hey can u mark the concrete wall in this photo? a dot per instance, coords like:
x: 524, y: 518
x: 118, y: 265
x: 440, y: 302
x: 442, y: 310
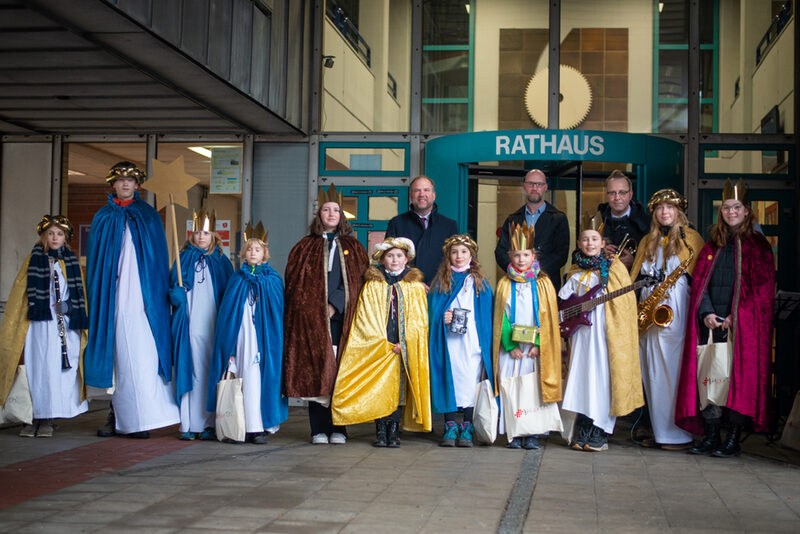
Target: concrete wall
x: 24, y: 198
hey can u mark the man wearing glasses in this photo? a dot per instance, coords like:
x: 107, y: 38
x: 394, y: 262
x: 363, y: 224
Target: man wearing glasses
x: 551, y: 238
x: 622, y: 216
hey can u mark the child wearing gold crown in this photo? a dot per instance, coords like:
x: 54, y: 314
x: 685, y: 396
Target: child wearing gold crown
x: 248, y: 339
x: 205, y: 271
x: 45, y: 321
x: 604, y: 379
x: 460, y: 337
x: 383, y: 375
x: 525, y: 301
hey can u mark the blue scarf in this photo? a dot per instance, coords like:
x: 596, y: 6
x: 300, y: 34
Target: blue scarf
x: 220, y: 269
x: 39, y: 286
x: 443, y: 396
x: 263, y: 285
x: 102, y: 259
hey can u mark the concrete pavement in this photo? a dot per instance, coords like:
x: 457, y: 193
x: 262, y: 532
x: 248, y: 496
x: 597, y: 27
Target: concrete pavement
x: 76, y: 482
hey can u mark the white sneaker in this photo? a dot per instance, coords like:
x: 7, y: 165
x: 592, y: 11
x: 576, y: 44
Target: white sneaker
x: 319, y: 439
x: 338, y: 438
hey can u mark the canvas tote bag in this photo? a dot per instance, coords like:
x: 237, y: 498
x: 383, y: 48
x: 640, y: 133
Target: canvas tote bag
x: 230, y: 409
x: 19, y: 406
x: 524, y: 413
x: 486, y: 413
x: 714, y: 371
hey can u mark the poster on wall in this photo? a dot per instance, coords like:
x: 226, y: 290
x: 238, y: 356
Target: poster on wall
x: 223, y: 231
x: 226, y: 170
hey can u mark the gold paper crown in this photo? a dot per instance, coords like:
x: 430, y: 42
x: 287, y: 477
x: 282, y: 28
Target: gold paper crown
x: 522, y: 236
x: 592, y: 222
x: 59, y: 221
x: 735, y: 192
x: 258, y: 232
x: 460, y: 239
x: 332, y: 195
x: 126, y: 169
x: 204, y: 221
x: 667, y: 195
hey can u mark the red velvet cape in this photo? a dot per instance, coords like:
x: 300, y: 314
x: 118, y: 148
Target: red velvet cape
x: 749, y: 394
x: 309, y: 364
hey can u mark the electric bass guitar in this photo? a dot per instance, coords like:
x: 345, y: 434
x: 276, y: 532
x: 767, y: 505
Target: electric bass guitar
x: 574, y: 311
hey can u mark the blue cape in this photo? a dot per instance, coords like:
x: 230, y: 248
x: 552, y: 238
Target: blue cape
x: 443, y: 396
x: 102, y: 257
x: 267, y: 287
x: 221, y: 270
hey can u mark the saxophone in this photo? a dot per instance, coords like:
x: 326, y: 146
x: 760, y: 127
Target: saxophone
x: 650, y: 312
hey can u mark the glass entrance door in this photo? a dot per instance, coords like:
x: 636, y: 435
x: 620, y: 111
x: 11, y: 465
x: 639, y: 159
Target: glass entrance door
x: 369, y: 209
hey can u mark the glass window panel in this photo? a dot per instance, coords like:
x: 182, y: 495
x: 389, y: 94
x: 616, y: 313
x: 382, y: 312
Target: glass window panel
x: 350, y: 207
x: 707, y: 22
x: 365, y: 159
x: 445, y: 74
x: 707, y: 74
x: 707, y: 118
x: 673, y: 73
x: 765, y: 211
x: 373, y: 238
x: 672, y: 118
x: 746, y: 162
x: 445, y: 22
x: 382, y: 208
x: 444, y: 117
x: 673, y: 27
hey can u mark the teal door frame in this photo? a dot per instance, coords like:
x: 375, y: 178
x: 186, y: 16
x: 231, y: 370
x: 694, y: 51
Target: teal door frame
x: 362, y: 224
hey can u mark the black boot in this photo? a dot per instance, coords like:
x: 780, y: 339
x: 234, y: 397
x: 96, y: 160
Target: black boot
x: 711, y: 441
x: 380, y: 433
x: 393, y: 432
x: 731, y: 447
x: 110, y: 428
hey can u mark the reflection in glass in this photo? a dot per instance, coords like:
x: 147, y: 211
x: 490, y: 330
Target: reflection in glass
x: 672, y: 118
x: 445, y: 74
x: 673, y: 74
x: 765, y: 211
x: 382, y: 208
x: 444, y: 117
x: 445, y: 22
x: 365, y: 159
x: 373, y: 238
x: 350, y: 207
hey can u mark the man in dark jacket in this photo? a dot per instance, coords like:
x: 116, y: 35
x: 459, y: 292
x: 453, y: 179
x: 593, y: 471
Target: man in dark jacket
x: 423, y: 225
x: 622, y: 216
x: 551, y: 239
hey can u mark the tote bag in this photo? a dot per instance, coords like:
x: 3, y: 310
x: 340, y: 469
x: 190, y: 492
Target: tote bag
x: 230, y: 409
x: 486, y: 413
x: 714, y: 371
x: 19, y: 406
x: 523, y: 410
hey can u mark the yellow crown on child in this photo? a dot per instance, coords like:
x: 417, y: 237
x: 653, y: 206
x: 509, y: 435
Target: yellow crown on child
x: 592, y: 222
x: 255, y: 233
x: 735, y: 192
x: 331, y: 195
x: 522, y: 236
x: 203, y: 221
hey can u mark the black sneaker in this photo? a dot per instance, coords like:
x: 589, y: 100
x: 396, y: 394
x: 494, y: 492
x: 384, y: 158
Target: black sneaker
x: 598, y: 440
x: 261, y: 439
x: 110, y: 428
x: 583, y: 431
x: 515, y: 443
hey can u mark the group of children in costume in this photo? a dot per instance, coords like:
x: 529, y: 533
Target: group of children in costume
x: 410, y: 350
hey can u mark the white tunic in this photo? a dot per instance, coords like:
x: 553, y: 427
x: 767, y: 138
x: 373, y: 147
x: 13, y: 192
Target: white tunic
x: 588, y: 389
x: 201, y: 309
x: 660, y: 350
x: 505, y: 363
x: 466, y: 364
x: 142, y: 400
x: 55, y: 392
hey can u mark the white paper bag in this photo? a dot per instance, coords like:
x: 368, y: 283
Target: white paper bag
x: 19, y: 405
x: 486, y: 413
x: 714, y: 372
x: 523, y: 410
x: 230, y: 409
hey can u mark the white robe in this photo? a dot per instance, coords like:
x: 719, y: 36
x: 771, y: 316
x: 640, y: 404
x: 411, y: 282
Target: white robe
x: 505, y: 363
x: 201, y: 309
x: 142, y: 400
x: 588, y: 389
x: 466, y: 364
x: 55, y: 392
x: 660, y: 350
x: 247, y: 366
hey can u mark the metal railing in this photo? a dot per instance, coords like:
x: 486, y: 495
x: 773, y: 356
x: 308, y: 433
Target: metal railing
x: 775, y: 29
x: 391, y: 84
x: 348, y: 30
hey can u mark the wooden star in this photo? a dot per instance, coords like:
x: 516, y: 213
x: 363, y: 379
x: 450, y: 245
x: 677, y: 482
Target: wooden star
x: 170, y: 178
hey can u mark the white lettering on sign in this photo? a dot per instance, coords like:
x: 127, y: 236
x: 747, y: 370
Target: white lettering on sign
x: 553, y: 144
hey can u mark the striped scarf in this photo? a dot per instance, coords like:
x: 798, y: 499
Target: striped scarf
x: 39, y: 286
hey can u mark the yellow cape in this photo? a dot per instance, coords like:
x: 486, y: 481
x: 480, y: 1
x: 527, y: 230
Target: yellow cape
x: 622, y: 339
x: 368, y: 382
x: 15, y: 327
x: 549, y: 335
x: 694, y: 239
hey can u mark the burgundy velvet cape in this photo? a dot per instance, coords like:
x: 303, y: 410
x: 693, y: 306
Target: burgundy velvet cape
x: 752, y: 315
x: 309, y: 364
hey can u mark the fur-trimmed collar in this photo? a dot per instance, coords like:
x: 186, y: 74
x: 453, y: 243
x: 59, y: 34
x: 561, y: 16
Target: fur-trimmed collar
x: 374, y: 274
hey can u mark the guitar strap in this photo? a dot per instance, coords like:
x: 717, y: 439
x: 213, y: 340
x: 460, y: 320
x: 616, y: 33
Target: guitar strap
x: 535, y: 299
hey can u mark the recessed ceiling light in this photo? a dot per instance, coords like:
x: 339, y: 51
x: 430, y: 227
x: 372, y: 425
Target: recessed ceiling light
x: 203, y: 151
